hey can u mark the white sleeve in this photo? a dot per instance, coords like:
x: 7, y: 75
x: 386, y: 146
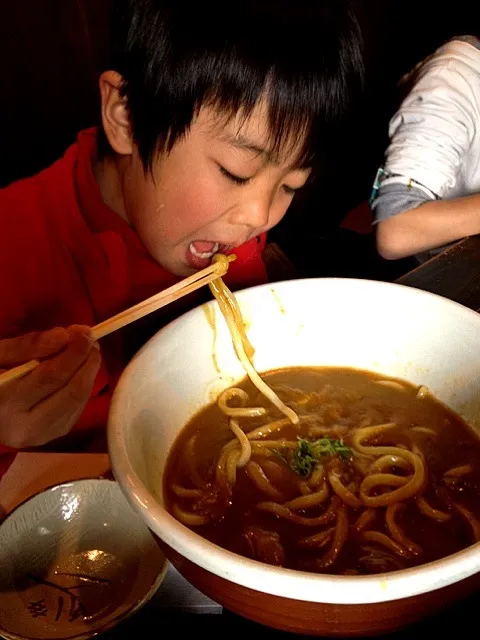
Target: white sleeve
x: 435, y: 126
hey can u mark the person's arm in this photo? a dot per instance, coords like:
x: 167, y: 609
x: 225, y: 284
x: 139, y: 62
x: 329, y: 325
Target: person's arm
x: 430, y: 225
x: 46, y: 403
x: 430, y: 137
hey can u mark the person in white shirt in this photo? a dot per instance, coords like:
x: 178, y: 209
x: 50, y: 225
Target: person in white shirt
x: 427, y: 194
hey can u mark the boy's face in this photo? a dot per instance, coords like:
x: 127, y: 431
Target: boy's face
x: 216, y: 189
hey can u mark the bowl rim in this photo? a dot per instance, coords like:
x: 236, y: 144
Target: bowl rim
x: 279, y: 581
x: 49, y: 487
x: 112, y: 622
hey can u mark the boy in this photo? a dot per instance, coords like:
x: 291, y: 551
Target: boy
x: 209, y: 126
x: 428, y: 195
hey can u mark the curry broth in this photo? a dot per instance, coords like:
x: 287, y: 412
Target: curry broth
x: 343, y: 400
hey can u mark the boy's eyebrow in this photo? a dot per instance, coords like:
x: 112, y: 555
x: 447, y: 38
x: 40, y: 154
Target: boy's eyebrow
x: 243, y: 142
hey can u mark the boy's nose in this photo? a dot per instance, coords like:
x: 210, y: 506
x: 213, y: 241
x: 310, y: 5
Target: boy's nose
x: 253, y: 214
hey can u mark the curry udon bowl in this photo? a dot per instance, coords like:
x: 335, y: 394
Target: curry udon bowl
x: 397, y: 331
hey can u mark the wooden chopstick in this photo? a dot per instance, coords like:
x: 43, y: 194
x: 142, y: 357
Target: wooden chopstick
x: 122, y: 319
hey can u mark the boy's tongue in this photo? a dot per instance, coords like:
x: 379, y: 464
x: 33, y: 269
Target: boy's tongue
x: 204, y: 247
x: 200, y: 253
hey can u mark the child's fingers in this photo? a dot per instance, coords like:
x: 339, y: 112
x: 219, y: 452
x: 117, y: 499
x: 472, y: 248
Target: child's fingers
x: 50, y: 376
x: 15, y: 351
x: 56, y: 415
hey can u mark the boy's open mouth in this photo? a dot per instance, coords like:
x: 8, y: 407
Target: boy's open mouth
x: 204, y: 249
x: 200, y: 253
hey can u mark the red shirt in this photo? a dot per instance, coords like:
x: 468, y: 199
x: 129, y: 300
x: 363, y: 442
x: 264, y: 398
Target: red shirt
x: 66, y: 258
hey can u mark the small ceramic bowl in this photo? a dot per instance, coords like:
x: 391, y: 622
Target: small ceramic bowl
x: 74, y: 560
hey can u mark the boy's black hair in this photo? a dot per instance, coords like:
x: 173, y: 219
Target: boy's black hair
x: 175, y: 56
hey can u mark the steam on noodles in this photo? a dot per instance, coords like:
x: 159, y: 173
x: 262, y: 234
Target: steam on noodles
x: 327, y: 470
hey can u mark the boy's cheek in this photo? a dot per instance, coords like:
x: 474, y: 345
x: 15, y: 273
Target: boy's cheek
x: 185, y: 215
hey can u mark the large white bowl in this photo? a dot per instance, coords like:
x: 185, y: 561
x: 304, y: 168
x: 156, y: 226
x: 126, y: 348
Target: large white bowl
x: 382, y: 327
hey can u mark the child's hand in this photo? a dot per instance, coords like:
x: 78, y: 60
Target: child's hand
x: 46, y: 403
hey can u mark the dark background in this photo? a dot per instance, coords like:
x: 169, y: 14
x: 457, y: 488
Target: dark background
x: 51, y: 52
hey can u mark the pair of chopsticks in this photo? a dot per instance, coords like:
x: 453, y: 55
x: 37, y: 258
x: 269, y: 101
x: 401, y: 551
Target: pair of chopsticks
x: 216, y: 270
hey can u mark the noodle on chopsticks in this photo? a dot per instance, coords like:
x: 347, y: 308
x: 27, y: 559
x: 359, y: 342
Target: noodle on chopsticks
x: 244, y: 350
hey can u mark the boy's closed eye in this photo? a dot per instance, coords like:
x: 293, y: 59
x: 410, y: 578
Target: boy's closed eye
x: 234, y: 178
x: 240, y: 180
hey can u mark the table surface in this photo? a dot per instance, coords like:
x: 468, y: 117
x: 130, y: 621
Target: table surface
x: 454, y: 274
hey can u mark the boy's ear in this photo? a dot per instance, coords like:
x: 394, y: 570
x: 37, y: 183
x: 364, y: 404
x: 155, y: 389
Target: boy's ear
x: 116, y: 123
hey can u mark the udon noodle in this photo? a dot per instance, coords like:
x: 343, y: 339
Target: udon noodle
x: 326, y: 470
x: 244, y: 350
